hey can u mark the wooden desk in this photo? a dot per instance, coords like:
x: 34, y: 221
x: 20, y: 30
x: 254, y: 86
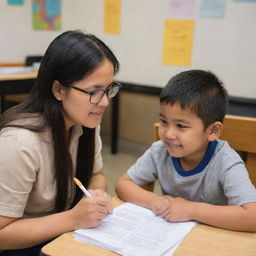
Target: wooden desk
x: 18, y: 76
x: 203, y: 240
x: 16, y: 84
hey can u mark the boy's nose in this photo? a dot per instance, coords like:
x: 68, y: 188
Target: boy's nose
x: 170, y: 133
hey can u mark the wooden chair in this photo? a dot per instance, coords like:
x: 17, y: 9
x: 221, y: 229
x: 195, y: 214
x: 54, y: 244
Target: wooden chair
x: 155, y: 131
x: 240, y: 132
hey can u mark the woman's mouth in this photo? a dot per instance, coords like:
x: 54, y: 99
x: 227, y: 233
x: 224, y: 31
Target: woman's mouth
x: 96, y: 114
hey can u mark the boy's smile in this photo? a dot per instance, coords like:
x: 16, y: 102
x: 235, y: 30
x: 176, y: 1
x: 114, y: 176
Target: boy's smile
x: 183, y: 134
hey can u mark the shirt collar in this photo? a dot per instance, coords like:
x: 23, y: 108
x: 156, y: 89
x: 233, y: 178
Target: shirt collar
x: 201, y: 166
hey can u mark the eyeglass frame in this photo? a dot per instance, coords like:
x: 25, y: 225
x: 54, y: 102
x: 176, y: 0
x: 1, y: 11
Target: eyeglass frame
x: 106, y: 91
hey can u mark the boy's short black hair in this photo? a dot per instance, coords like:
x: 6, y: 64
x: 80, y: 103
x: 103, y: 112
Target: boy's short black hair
x: 201, y: 92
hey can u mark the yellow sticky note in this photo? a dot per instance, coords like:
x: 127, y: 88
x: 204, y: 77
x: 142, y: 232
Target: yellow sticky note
x: 112, y: 16
x: 178, y: 41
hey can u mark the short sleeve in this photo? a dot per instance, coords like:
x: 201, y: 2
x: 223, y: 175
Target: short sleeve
x: 144, y: 170
x: 98, y: 163
x: 18, y: 170
x: 237, y: 185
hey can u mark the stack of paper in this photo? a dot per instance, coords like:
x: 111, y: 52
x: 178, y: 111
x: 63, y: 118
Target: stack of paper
x: 133, y: 230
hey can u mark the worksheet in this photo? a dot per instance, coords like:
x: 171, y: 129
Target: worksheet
x: 133, y: 230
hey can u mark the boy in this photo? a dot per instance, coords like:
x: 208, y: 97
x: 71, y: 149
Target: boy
x: 201, y: 177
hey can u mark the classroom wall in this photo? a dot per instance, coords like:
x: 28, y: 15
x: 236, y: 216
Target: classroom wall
x: 18, y: 39
x: 225, y: 46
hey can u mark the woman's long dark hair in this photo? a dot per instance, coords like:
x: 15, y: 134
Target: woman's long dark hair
x: 70, y: 57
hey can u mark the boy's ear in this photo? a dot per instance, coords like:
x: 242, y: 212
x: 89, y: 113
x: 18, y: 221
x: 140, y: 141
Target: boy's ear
x: 57, y: 90
x: 214, y: 130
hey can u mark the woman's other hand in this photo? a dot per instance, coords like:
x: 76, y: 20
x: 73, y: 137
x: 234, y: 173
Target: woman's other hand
x: 101, y: 195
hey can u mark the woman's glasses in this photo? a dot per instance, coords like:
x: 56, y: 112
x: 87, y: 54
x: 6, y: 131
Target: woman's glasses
x: 97, y: 95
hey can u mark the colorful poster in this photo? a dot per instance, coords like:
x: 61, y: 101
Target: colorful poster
x: 15, y: 2
x: 181, y: 8
x: 112, y: 16
x: 46, y: 14
x: 178, y: 40
x: 212, y: 8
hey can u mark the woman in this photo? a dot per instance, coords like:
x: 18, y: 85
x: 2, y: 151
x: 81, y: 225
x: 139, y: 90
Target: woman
x: 51, y: 138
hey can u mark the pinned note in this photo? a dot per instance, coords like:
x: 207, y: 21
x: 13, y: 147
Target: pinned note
x: 181, y: 9
x: 112, y: 16
x: 212, y: 8
x: 178, y: 40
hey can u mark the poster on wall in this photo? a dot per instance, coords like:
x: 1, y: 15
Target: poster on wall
x: 112, y: 16
x: 178, y: 40
x: 46, y: 14
x: 15, y: 2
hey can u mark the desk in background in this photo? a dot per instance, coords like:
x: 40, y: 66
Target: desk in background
x: 201, y: 241
x: 15, y: 84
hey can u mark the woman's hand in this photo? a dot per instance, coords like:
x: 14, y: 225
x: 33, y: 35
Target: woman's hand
x: 89, y: 212
x: 100, y: 194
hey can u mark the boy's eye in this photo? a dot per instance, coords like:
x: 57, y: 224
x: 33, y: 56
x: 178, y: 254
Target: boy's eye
x: 181, y: 126
x: 162, y: 121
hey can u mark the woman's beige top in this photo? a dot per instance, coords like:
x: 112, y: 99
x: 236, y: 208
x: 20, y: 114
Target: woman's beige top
x: 27, y: 183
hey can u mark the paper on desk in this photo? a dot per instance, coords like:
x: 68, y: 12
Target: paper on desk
x: 17, y: 70
x: 133, y: 230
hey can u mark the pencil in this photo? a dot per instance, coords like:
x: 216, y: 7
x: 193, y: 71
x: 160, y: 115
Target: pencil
x: 80, y: 185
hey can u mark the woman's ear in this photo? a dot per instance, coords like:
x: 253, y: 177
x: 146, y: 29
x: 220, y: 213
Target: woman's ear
x: 214, y: 130
x: 57, y: 90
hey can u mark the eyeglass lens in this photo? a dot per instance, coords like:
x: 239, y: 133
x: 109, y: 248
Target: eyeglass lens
x: 98, y: 95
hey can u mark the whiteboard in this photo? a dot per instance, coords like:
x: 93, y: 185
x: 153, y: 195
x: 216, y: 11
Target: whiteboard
x: 226, y: 46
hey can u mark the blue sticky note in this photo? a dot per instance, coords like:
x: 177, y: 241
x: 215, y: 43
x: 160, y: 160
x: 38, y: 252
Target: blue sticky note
x: 212, y: 8
x: 15, y: 2
x: 244, y: 0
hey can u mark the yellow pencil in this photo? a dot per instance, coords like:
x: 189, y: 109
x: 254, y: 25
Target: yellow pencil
x: 80, y: 185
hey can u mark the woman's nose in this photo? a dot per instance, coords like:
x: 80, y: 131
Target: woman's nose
x: 104, y: 101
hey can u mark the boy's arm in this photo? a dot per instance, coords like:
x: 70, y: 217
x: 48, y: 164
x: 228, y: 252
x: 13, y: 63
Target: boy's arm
x: 234, y: 217
x: 129, y: 191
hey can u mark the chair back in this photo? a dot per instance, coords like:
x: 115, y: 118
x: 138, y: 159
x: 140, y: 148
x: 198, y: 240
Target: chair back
x: 240, y: 132
x: 155, y: 131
